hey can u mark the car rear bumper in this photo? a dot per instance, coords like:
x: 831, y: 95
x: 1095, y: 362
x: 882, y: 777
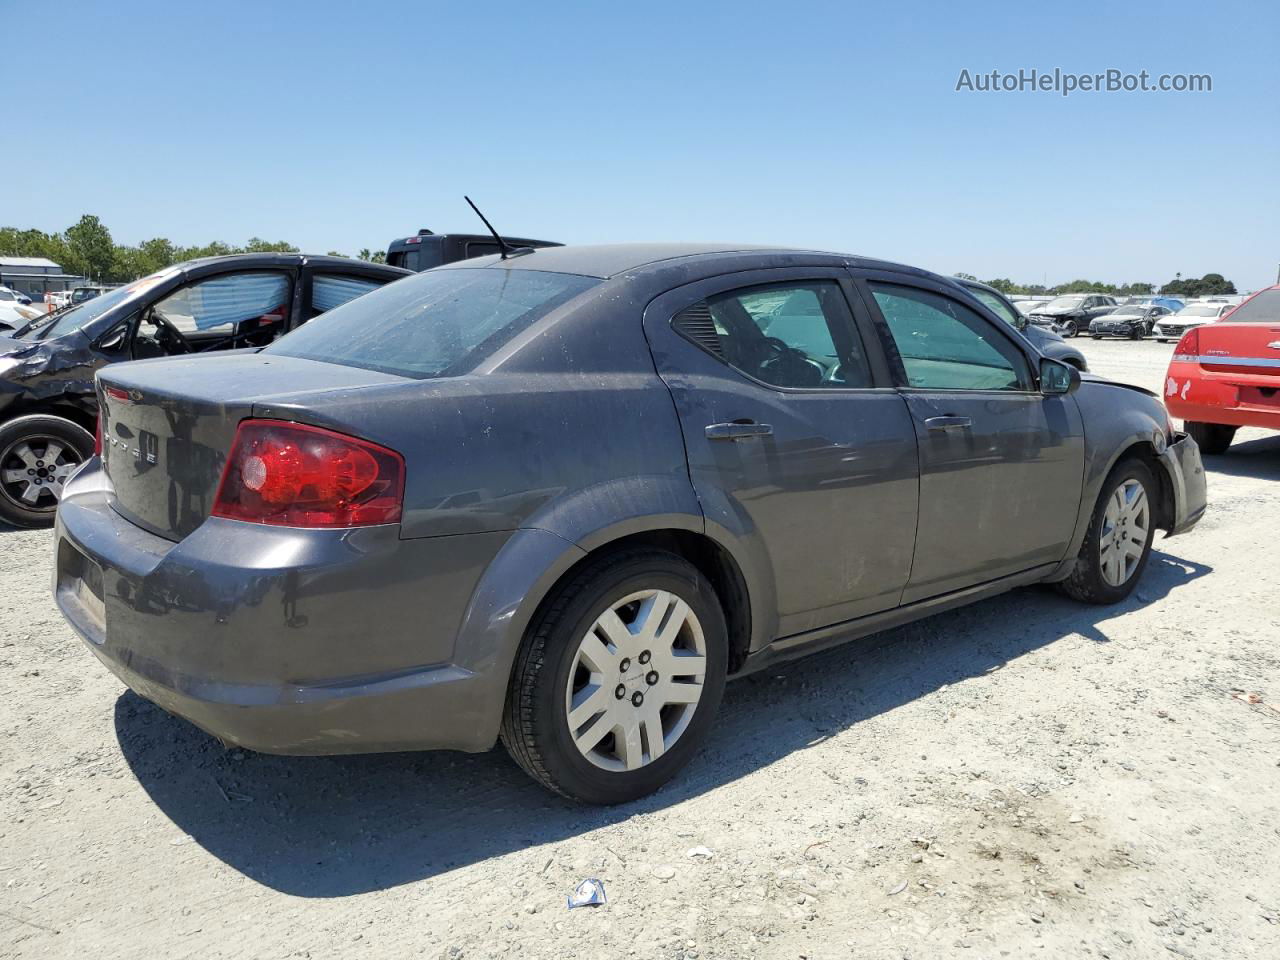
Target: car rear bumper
x: 278, y: 639
x: 1182, y: 465
x: 1233, y: 399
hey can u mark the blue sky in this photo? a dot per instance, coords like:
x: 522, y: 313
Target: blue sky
x: 837, y: 126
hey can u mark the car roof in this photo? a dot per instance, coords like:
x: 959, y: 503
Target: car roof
x: 604, y: 261
x: 287, y: 260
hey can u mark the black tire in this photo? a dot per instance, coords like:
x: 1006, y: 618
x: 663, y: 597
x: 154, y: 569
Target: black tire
x: 1096, y: 336
x: 1069, y: 329
x: 535, y: 727
x: 1136, y: 333
x: 1162, y: 339
x: 35, y: 432
x: 1087, y: 583
x: 1211, y: 438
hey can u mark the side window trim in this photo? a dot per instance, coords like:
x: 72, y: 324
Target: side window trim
x: 862, y: 279
x: 852, y: 330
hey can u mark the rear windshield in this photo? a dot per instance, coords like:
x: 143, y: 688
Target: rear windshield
x: 1261, y: 308
x: 437, y: 324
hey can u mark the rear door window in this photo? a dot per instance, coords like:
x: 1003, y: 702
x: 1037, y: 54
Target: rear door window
x: 797, y: 335
x: 329, y: 290
x: 410, y: 259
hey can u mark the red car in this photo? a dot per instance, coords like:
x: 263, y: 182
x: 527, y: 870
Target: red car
x: 1226, y: 375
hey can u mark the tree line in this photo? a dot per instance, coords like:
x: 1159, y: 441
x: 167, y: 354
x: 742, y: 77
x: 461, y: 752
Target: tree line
x: 88, y: 250
x: 1211, y: 284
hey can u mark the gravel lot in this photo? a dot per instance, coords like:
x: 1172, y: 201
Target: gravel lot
x: 1025, y: 777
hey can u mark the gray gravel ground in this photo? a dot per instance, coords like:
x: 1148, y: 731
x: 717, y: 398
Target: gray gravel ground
x: 1025, y: 777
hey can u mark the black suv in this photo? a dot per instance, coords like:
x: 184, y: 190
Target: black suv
x: 425, y: 249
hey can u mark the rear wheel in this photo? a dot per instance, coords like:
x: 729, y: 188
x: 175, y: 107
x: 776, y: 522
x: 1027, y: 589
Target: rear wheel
x: 1116, y: 548
x: 1211, y: 438
x: 38, y: 453
x: 619, y: 678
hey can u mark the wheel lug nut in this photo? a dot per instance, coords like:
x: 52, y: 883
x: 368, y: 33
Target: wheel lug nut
x: 637, y: 698
x: 645, y: 657
x: 651, y: 677
x: 625, y: 665
x: 620, y: 691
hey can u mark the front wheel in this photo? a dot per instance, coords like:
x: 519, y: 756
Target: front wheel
x: 618, y: 679
x: 38, y: 453
x: 1069, y: 329
x: 1118, y: 545
x: 1211, y: 438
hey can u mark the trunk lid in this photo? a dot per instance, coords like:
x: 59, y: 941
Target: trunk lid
x: 167, y: 426
x: 1249, y: 350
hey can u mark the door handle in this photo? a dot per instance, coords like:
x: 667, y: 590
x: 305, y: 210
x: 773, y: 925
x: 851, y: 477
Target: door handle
x: 738, y: 431
x: 949, y: 423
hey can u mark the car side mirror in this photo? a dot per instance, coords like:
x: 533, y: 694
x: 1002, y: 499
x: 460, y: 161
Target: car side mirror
x: 1057, y: 379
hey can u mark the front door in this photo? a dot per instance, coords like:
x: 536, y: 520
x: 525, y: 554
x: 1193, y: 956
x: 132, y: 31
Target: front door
x: 1001, y: 465
x: 796, y: 440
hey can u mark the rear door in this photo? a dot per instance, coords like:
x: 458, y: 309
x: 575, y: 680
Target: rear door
x: 1001, y: 465
x: 797, y: 443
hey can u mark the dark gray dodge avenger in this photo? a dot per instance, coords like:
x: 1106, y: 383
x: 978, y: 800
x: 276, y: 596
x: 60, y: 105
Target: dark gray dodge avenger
x: 559, y: 498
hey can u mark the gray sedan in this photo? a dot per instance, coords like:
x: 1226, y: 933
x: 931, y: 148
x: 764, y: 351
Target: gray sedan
x: 560, y: 498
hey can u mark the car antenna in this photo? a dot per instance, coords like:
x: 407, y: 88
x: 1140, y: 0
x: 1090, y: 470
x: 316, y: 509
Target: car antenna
x: 504, y: 248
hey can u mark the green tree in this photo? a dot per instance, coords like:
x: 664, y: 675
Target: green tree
x: 1004, y: 285
x: 377, y: 256
x: 90, y: 249
x: 258, y: 245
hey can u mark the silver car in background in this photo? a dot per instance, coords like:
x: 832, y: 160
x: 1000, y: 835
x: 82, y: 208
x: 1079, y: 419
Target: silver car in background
x: 1173, y: 326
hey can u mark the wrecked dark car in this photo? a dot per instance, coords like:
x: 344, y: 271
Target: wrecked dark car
x: 48, y: 408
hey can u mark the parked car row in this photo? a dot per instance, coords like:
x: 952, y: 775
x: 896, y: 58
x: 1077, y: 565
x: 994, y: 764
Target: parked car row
x: 577, y: 489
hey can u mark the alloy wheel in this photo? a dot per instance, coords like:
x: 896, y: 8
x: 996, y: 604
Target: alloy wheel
x: 34, y: 469
x: 636, y: 680
x: 1126, y: 527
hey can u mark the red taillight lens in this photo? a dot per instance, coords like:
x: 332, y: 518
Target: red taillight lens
x: 97, y: 437
x: 293, y: 475
x: 1189, y: 345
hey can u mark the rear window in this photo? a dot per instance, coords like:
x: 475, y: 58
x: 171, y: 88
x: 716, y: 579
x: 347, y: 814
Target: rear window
x: 1262, y: 308
x: 437, y: 324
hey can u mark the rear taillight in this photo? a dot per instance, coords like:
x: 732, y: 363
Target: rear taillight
x: 97, y: 437
x: 293, y: 475
x: 1189, y: 345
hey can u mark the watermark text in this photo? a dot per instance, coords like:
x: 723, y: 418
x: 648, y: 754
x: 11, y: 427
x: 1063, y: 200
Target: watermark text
x: 1066, y: 83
